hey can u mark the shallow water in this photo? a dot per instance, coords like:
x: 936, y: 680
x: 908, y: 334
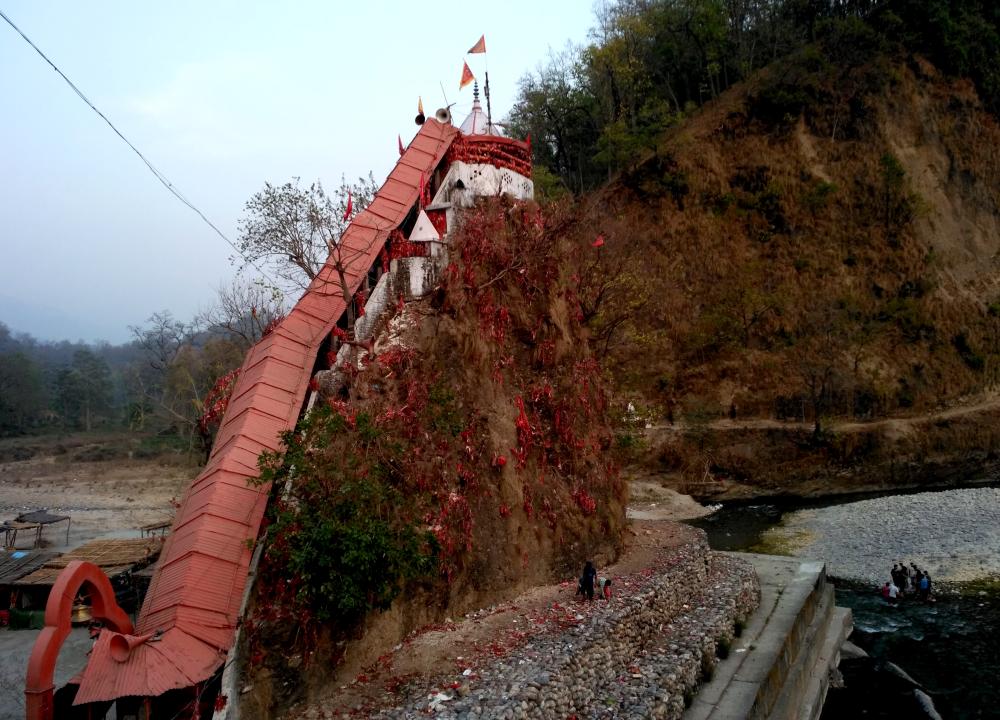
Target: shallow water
x: 950, y: 648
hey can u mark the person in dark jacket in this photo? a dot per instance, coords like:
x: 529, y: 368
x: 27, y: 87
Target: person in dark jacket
x: 587, y: 580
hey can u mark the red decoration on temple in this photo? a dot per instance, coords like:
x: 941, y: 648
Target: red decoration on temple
x: 500, y: 152
x: 439, y: 219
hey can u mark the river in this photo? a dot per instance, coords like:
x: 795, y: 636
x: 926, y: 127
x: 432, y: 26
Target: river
x: 949, y: 648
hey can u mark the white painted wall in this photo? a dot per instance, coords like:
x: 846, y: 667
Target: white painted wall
x: 482, y: 180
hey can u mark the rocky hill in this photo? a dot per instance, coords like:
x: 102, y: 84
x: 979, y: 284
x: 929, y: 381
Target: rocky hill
x: 462, y: 459
x: 818, y: 247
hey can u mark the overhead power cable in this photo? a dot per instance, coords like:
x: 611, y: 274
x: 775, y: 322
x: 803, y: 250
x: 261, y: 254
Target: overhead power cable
x: 152, y: 168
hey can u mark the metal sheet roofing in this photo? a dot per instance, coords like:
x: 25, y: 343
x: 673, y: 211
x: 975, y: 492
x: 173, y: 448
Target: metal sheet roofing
x: 194, y: 598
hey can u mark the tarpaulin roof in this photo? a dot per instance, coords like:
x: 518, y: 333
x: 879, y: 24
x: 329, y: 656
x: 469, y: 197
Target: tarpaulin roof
x: 42, y: 517
x: 15, y: 564
x: 195, y: 595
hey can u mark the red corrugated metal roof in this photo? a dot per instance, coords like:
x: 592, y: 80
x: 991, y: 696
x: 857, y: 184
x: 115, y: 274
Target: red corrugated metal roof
x: 195, y: 595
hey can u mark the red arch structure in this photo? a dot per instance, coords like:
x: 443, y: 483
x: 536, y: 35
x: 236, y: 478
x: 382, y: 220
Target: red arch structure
x: 78, y: 575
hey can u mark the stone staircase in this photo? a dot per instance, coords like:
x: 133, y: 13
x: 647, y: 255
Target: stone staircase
x: 780, y: 666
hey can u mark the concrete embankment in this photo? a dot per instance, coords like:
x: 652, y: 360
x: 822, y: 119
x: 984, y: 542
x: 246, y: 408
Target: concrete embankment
x: 782, y: 663
x: 696, y: 635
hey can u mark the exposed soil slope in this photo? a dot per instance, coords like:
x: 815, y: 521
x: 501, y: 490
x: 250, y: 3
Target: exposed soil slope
x: 819, y: 246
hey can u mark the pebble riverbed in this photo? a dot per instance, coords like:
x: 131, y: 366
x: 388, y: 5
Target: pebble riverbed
x: 953, y: 534
x: 640, y: 656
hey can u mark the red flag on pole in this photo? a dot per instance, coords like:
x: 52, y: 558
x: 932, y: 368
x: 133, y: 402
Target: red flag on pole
x: 350, y: 207
x: 479, y: 47
x: 467, y: 76
x: 400, y: 138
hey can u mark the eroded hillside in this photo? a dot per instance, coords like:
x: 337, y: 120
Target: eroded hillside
x: 818, y: 246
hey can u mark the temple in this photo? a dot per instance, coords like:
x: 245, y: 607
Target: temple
x: 172, y: 661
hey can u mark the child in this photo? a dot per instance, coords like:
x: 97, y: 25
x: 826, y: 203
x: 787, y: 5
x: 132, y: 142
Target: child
x: 607, y: 588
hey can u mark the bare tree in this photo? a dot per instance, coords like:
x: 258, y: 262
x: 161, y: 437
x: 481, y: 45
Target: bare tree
x: 292, y: 229
x: 180, y: 364
x: 243, y: 311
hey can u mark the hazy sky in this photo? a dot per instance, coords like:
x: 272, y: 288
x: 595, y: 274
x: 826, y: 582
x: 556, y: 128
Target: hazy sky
x: 221, y: 97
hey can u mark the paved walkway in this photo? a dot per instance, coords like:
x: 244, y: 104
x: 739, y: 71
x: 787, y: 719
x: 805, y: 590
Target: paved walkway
x: 787, y: 586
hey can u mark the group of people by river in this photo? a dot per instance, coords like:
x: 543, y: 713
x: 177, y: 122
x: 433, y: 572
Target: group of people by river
x: 907, y: 582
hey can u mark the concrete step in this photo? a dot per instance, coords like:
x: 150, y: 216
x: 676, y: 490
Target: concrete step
x: 773, y: 662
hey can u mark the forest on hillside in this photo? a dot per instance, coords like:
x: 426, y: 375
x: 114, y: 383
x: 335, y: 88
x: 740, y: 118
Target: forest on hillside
x: 593, y: 110
x: 795, y: 197
x: 163, y: 382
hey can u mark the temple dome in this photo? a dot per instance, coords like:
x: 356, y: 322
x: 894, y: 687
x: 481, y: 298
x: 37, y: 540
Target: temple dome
x: 477, y: 123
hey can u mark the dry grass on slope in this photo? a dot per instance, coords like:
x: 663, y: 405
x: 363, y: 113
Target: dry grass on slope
x: 838, y: 260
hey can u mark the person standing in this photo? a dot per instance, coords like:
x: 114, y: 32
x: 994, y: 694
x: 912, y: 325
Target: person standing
x: 587, y: 580
x: 893, y: 594
x: 925, y: 587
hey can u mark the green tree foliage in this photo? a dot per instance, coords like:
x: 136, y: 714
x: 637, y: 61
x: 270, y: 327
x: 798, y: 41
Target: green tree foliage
x: 555, y: 109
x: 594, y: 110
x: 962, y: 37
x: 180, y: 363
x: 155, y: 384
x: 22, y: 393
x: 84, y: 391
x: 346, y: 534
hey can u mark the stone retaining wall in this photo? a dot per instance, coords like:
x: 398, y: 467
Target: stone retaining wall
x: 641, y: 656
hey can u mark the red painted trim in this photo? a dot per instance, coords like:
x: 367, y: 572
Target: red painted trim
x: 492, y: 150
x: 38, y: 685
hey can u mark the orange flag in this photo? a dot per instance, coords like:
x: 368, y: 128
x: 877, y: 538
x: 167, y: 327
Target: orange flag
x: 479, y: 47
x: 350, y: 207
x: 467, y: 76
x: 420, y: 105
